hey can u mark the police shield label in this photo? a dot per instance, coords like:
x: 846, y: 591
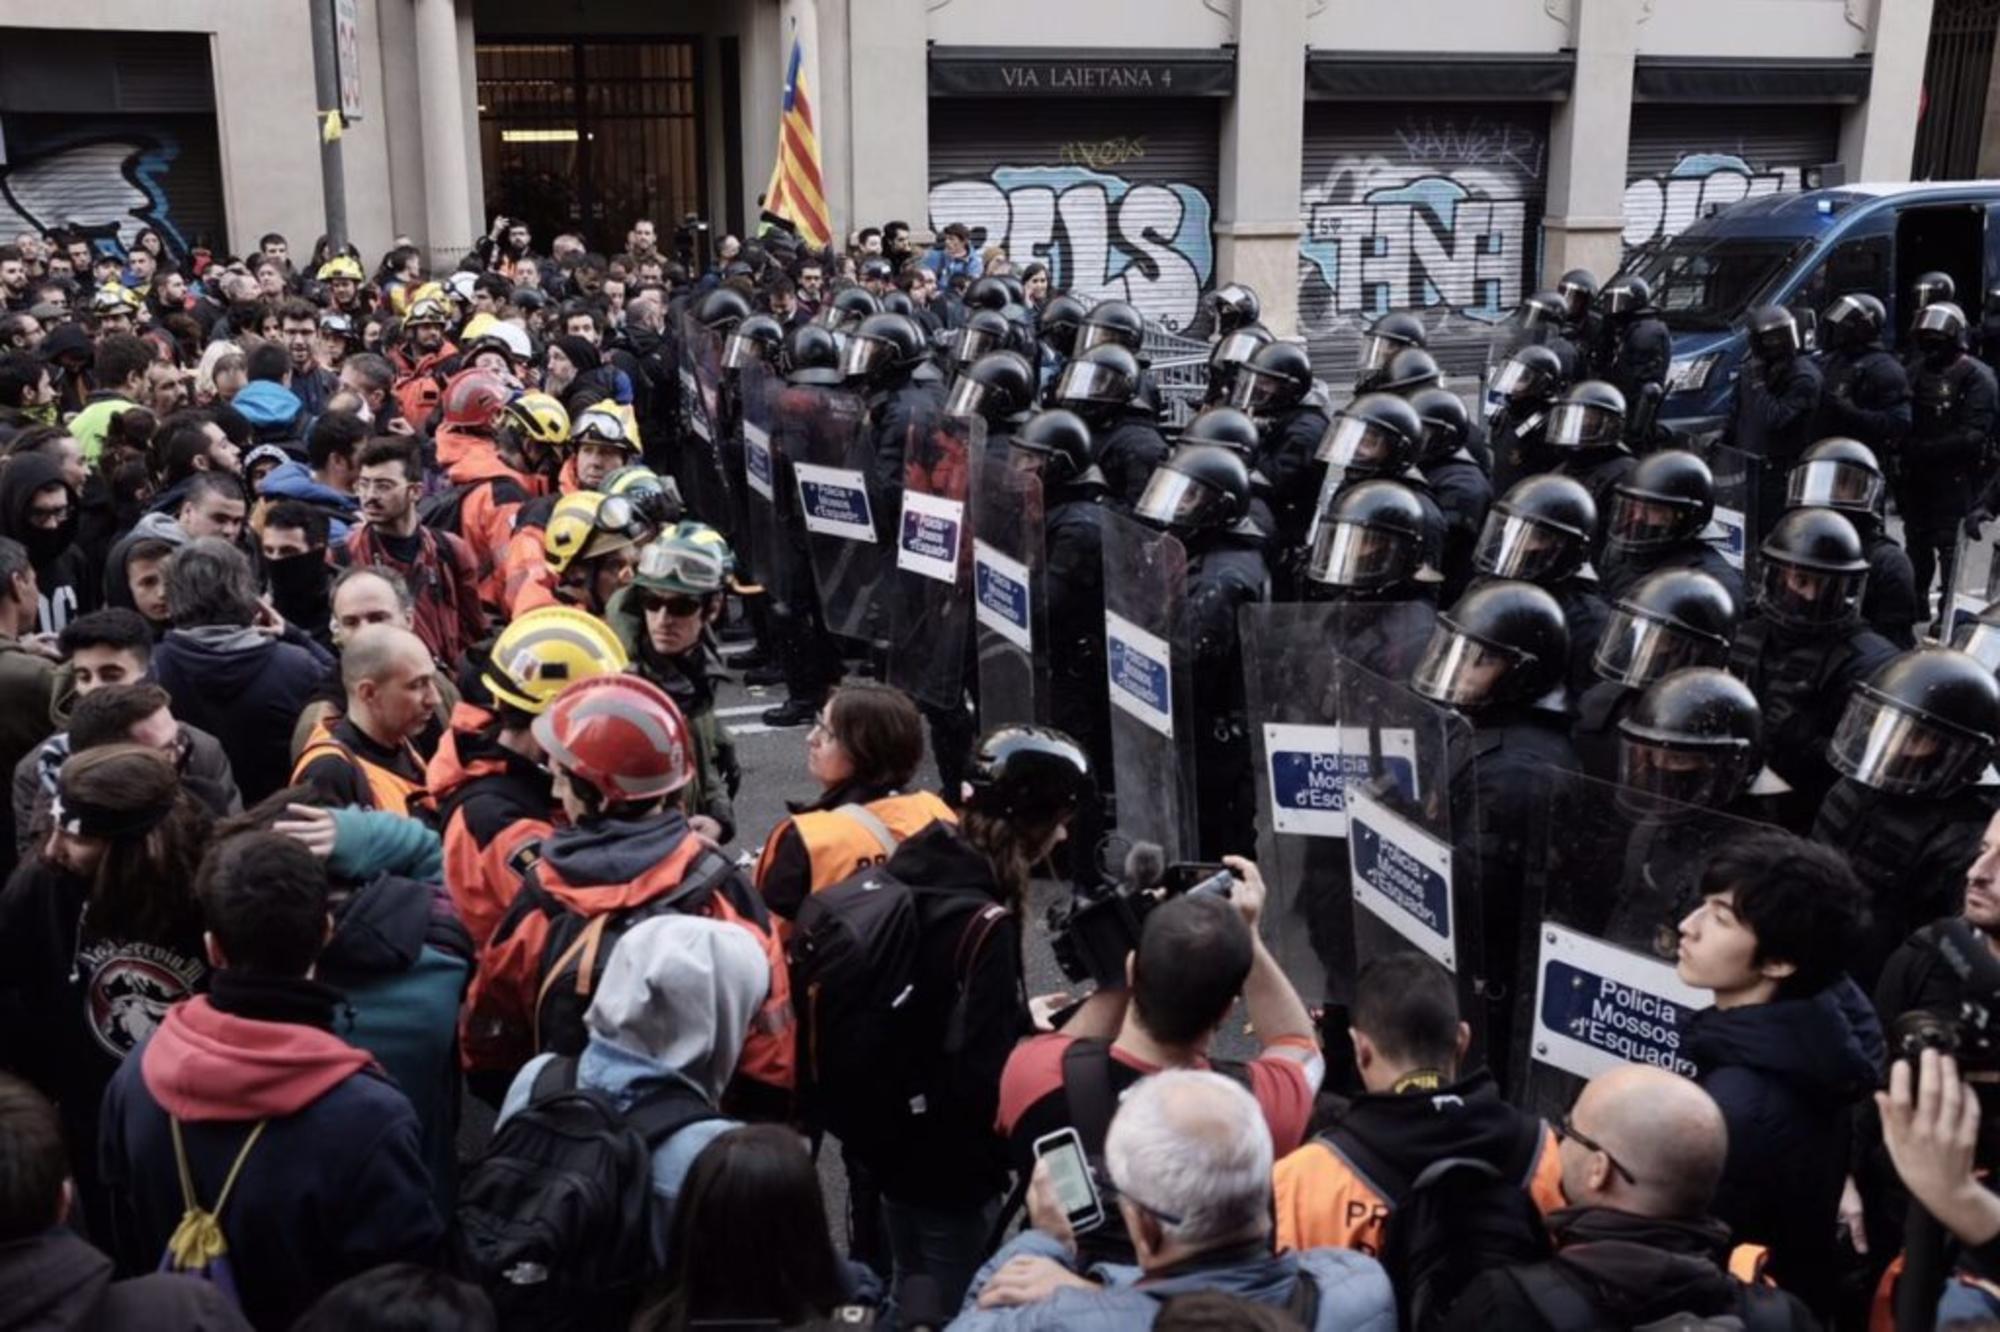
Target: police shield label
x: 931, y: 532
x: 757, y: 458
x: 1728, y: 528
x: 1402, y: 876
x: 1140, y: 672
x: 1598, y: 1006
x: 1311, y: 766
x: 698, y: 413
x: 1002, y: 598
x: 835, y: 502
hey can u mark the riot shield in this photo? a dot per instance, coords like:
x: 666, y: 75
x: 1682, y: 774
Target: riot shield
x: 1733, y: 529
x: 699, y: 471
x: 1974, y: 578
x: 1305, y: 750
x: 823, y: 433
x: 1147, y: 666
x: 758, y: 387
x: 1009, y: 603
x: 1508, y: 337
x: 930, y: 612
x: 1611, y: 873
x: 1412, y: 827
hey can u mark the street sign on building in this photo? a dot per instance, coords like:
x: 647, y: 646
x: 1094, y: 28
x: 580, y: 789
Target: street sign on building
x: 347, y: 56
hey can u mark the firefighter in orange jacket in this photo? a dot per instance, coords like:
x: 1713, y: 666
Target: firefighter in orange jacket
x: 620, y: 754
x: 422, y: 362
x: 604, y: 444
x: 499, y: 450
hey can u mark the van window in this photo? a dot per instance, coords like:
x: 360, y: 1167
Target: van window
x: 1861, y: 264
x: 1705, y: 283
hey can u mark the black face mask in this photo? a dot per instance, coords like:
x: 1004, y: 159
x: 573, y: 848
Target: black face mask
x: 299, y: 586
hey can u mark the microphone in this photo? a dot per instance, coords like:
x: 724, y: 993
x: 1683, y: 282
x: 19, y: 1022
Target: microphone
x: 1145, y: 866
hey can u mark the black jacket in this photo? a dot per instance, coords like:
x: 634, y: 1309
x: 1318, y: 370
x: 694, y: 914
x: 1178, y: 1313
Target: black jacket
x: 62, y: 569
x: 1944, y: 458
x: 1889, y: 601
x: 1787, y: 1076
x: 1287, y: 456
x: 56, y: 1282
x: 1074, y: 540
x: 1620, y: 571
x: 245, y: 689
x: 1129, y: 447
x: 1464, y: 492
x: 1776, y: 407
x: 898, y: 417
x: 1867, y: 398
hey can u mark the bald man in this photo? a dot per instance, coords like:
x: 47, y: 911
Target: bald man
x: 365, y: 757
x: 1642, y: 1153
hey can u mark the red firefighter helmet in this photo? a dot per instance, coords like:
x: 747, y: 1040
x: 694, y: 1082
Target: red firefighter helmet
x: 620, y: 734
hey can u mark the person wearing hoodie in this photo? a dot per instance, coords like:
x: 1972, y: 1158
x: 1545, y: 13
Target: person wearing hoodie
x: 27, y: 670
x: 1642, y: 1152
x: 621, y: 757
x: 52, y: 1278
x: 675, y: 1004
x: 39, y: 510
x: 250, y: 1083
x: 100, y: 935
x: 135, y: 572
x: 275, y: 413
x: 232, y: 667
x: 578, y: 377
x: 325, y: 480
x: 1790, y: 1047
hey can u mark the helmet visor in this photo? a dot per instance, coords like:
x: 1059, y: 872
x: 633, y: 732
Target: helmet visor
x: 1355, y: 441
x: 861, y: 357
x: 1635, y: 650
x: 1234, y: 348
x: 1707, y: 774
x: 740, y: 351
x: 1175, y: 499
x: 1937, y: 319
x: 1376, y: 351
x: 1517, y: 379
x: 1899, y: 752
x: 675, y: 566
x: 1642, y: 524
x: 1581, y: 425
x: 1620, y: 299
x: 1094, y: 335
x: 1511, y: 546
x: 1981, y: 642
x: 1087, y: 381
x: 967, y: 398
x: 1795, y: 595
x: 1832, y: 484
x: 1460, y: 671
x: 974, y: 343
x: 1254, y: 390
x: 1354, y: 556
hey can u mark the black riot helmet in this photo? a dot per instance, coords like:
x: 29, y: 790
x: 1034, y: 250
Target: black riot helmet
x: 1503, y: 642
x: 1028, y: 775
x: 1200, y: 487
x: 1925, y: 725
x: 1017, y: 291
x: 1099, y: 381
x: 1590, y: 416
x: 1112, y: 322
x: 1061, y: 445
x: 884, y: 346
x: 876, y: 269
x: 1578, y: 288
x: 1369, y: 537
x: 1540, y: 530
x: 983, y: 331
x: 1853, y: 321
x: 811, y: 355
x: 1544, y: 310
x: 1774, y: 333
x: 849, y: 306
x: 1235, y: 306
x: 1939, y: 332
x: 1695, y: 736
x: 1932, y: 287
x: 898, y: 302
x: 1058, y: 322
x: 1667, y: 499
x: 1837, y: 473
x: 1532, y: 374
x: 1813, y: 570
x: 1446, y: 423
x: 1979, y: 638
x: 758, y: 338
x: 998, y: 386
x: 988, y: 293
x: 1409, y: 371
x: 1669, y: 619
x: 1231, y: 352
x: 1225, y: 427
x: 721, y: 309
x: 1377, y: 434
x: 1274, y: 380
x: 1389, y: 334
x: 1626, y: 296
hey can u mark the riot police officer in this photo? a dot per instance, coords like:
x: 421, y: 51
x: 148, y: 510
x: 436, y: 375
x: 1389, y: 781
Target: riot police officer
x: 1867, y: 391
x: 1458, y: 481
x: 1368, y: 553
x: 1578, y: 291
x: 1635, y: 352
x: 1586, y: 437
x: 1056, y: 325
x: 1667, y: 620
x: 1396, y: 331
x: 1843, y: 474
x: 999, y: 388
x: 1910, y: 808
x: 1112, y: 322
x: 1235, y: 431
x: 1410, y: 370
x: 982, y: 331
x: 1803, y: 646
x: 1929, y: 288
x: 1540, y: 532
x: 881, y: 357
x: 1227, y: 358
x: 1694, y: 736
x: 1276, y: 388
x: 1945, y: 459
x: 845, y: 310
x: 1201, y: 495
x: 1777, y: 401
x: 1528, y: 384
x: 1101, y: 384
x: 1660, y: 511
x: 1377, y: 437
x: 1233, y: 308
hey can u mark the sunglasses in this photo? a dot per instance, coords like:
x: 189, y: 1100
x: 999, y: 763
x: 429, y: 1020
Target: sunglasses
x: 1566, y: 1129
x: 680, y: 608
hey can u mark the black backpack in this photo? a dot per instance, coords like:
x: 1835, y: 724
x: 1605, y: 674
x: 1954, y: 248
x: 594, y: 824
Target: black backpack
x: 863, y: 1071
x: 444, y: 511
x: 556, y: 1220
x: 1565, y: 1308
x: 1457, y: 1219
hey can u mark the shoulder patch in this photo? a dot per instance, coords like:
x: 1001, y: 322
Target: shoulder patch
x: 526, y: 856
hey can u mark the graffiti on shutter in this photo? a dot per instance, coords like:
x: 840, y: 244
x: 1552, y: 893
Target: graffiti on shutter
x: 1661, y: 207
x: 104, y: 186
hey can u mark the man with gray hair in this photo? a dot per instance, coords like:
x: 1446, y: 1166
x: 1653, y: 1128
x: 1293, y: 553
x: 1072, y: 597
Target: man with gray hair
x: 233, y: 666
x: 1642, y: 1153
x: 1189, y: 1159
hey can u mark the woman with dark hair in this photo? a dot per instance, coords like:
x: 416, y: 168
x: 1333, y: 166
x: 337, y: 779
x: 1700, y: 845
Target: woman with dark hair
x: 750, y: 1246
x: 100, y: 933
x: 864, y: 751
x: 1035, y: 285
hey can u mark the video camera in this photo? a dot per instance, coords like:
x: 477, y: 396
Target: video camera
x: 691, y: 243
x: 1969, y: 1030
x: 1093, y: 932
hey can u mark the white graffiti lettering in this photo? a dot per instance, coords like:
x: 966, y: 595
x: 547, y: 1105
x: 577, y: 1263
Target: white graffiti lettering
x: 105, y: 188
x: 1662, y: 207
x: 1103, y: 237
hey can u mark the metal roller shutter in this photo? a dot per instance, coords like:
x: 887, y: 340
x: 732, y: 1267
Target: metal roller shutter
x: 109, y: 175
x: 1117, y: 197
x: 1685, y: 161
x: 1425, y: 207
